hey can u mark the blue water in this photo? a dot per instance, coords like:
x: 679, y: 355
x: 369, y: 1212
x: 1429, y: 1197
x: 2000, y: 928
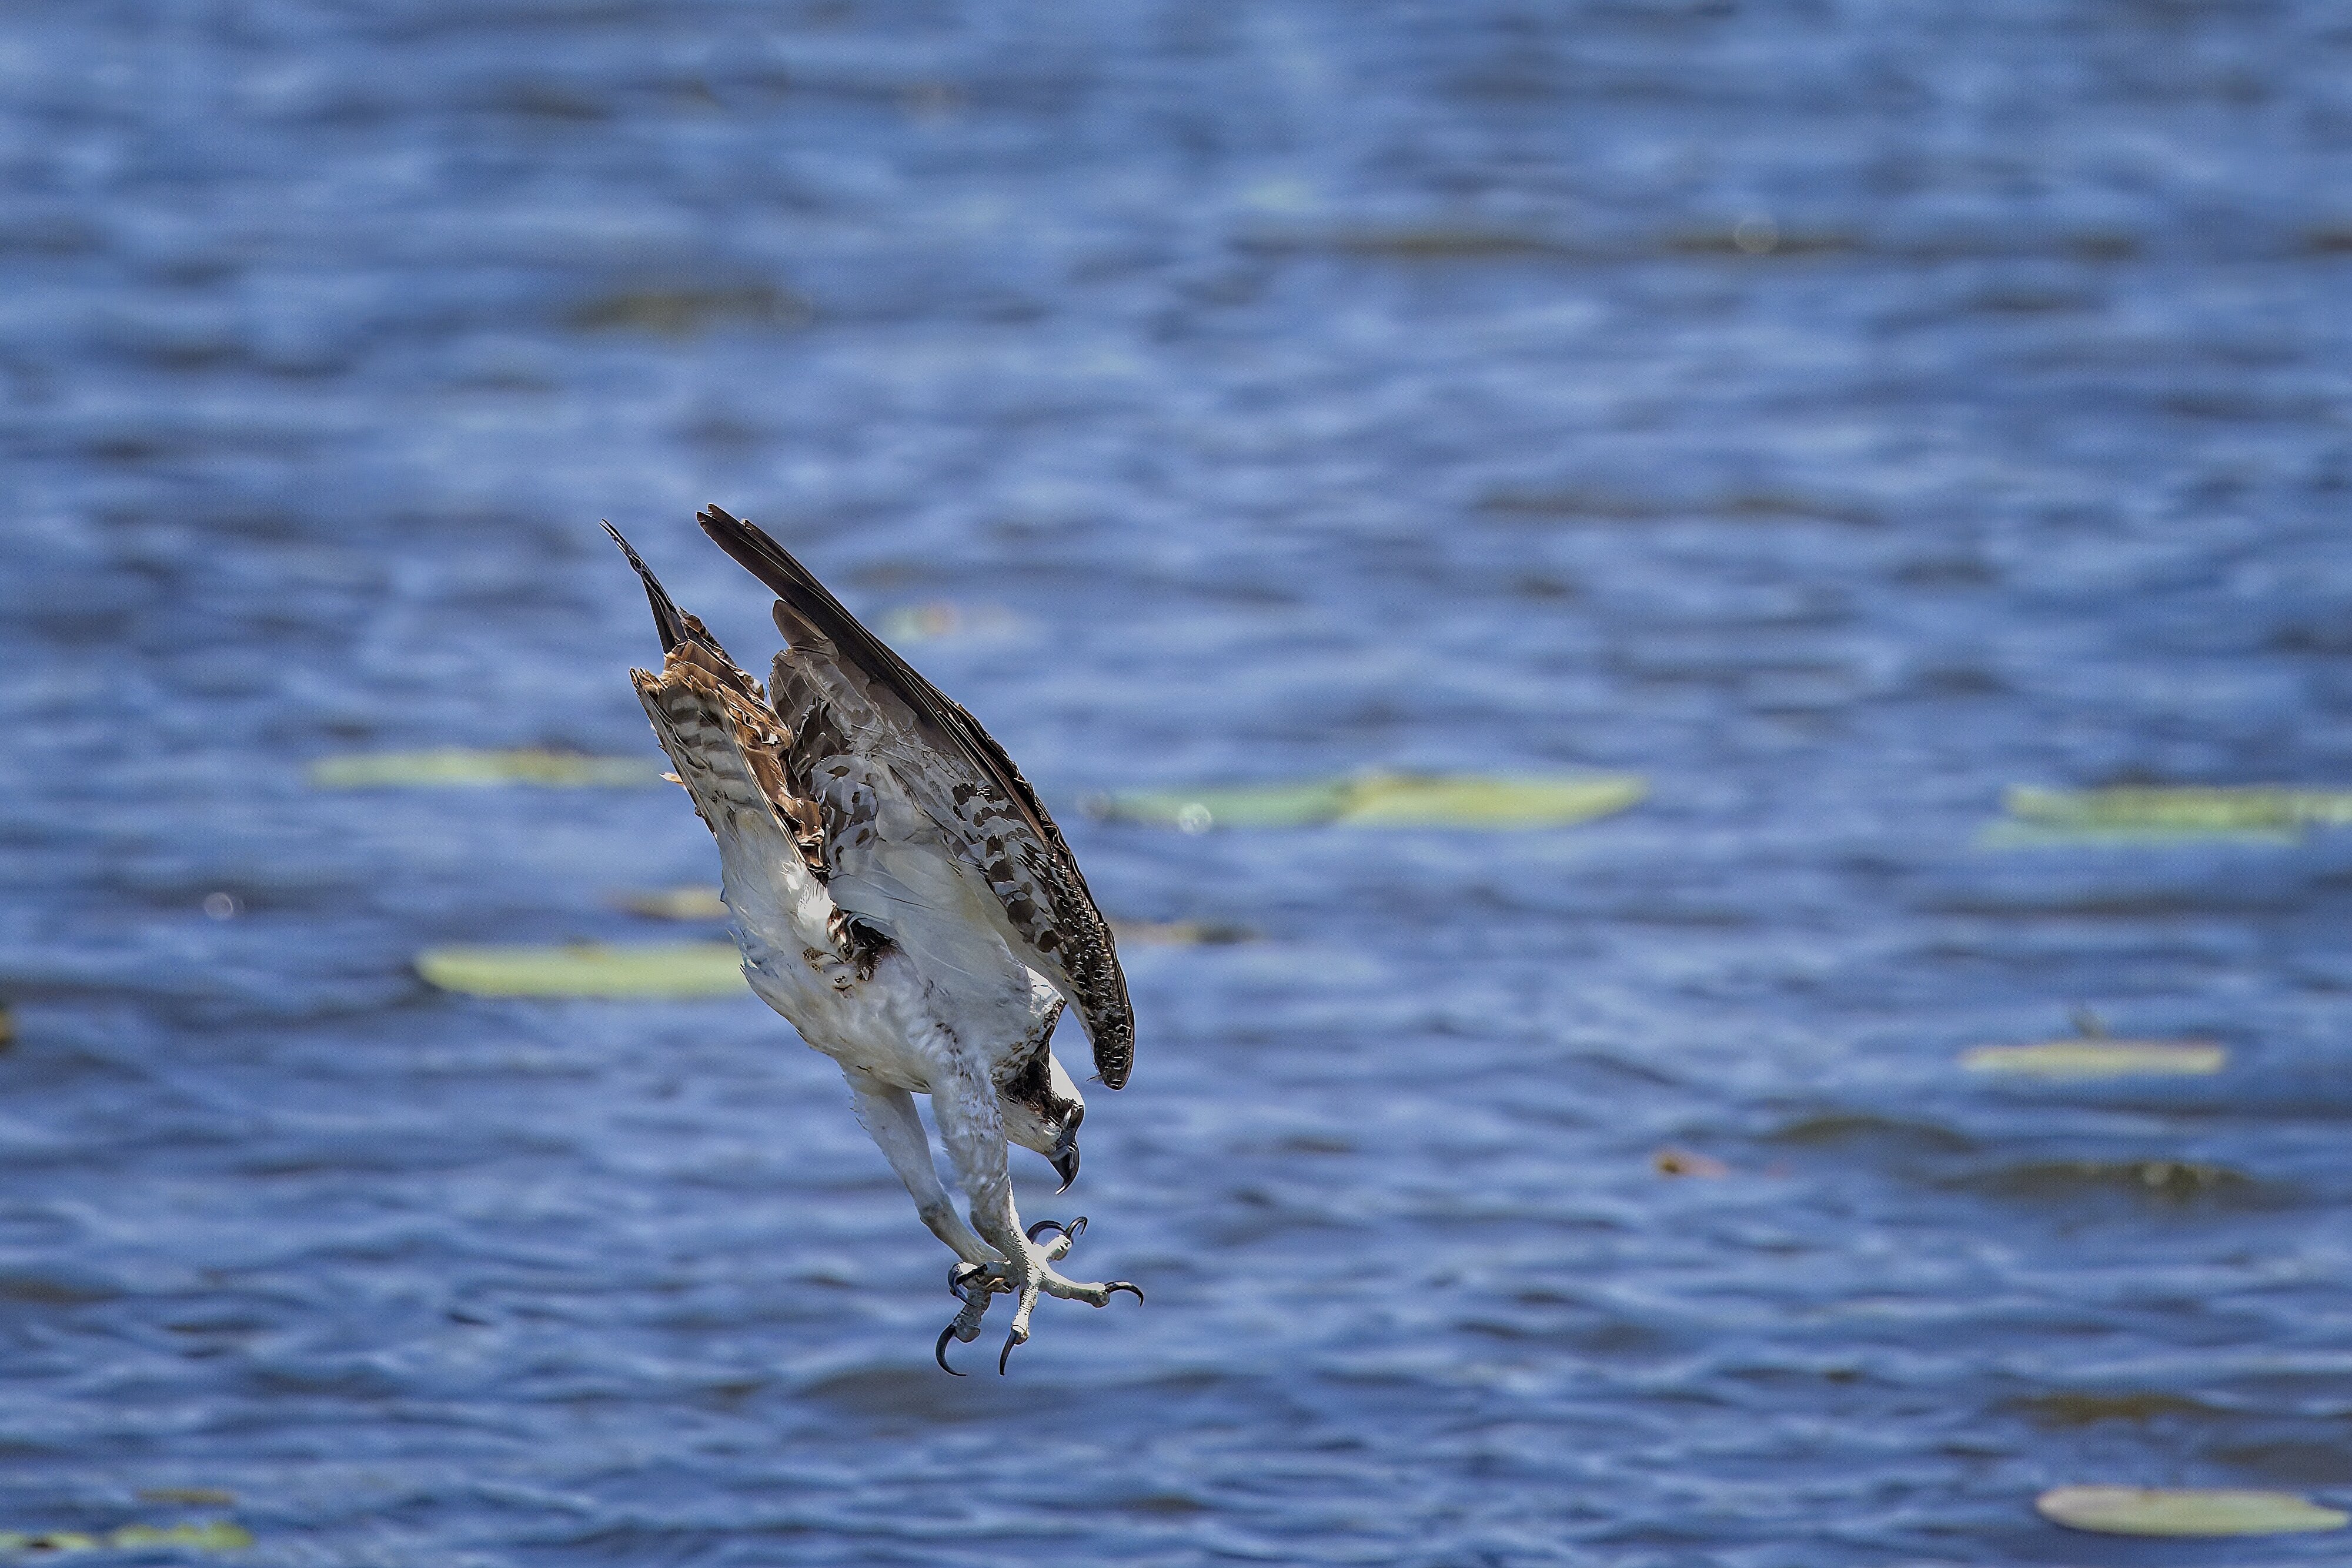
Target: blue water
x: 1283, y: 390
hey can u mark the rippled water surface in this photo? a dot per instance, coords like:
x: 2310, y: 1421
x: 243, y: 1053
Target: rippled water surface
x: 1835, y: 413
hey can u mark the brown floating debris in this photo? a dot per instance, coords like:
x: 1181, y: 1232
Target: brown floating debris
x: 685, y: 311
x: 1673, y: 1162
x: 1181, y: 933
x: 2079, y: 1407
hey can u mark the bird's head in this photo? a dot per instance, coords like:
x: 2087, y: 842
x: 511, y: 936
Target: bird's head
x: 1046, y: 1118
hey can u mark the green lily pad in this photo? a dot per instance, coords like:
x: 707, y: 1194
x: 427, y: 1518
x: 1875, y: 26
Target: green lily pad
x: 217, y: 1536
x: 2137, y: 813
x: 668, y: 970
x: 2145, y: 1511
x: 454, y: 768
x: 2099, y: 1059
x: 1384, y: 800
x: 694, y: 902
x: 940, y: 620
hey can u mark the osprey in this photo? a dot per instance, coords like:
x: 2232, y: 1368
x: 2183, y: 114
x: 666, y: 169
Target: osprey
x: 899, y: 892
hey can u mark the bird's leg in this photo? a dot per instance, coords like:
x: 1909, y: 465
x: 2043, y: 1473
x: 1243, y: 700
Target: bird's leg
x: 964, y: 1103
x: 887, y: 1114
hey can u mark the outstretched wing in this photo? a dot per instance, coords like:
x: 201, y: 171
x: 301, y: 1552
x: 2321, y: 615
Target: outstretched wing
x: 850, y: 705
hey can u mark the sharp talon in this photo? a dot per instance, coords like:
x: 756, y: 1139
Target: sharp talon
x: 958, y: 1276
x: 1065, y: 1150
x: 1056, y: 1227
x: 1015, y: 1337
x: 1118, y: 1285
x: 939, y: 1351
x: 1077, y: 1226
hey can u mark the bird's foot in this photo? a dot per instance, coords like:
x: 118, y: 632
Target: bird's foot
x: 1025, y: 1278
x: 972, y: 1287
x: 1032, y: 1274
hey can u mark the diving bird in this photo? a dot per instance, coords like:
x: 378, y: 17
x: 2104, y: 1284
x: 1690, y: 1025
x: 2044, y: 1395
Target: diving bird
x: 899, y: 892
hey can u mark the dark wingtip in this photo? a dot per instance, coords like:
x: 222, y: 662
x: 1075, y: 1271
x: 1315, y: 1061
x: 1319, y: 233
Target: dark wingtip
x: 756, y: 553
x: 804, y: 611
x: 669, y: 623
x: 751, y: 546
x: 721, y: 525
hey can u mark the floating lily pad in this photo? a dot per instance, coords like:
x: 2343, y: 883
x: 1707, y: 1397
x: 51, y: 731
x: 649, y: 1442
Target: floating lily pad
x: 2099, y: 1059
x: 2144, y: 1511
x: 2143, y: 812
x: 942, y: 620
x: 452, y: 767
x: 689, y: 903
x: 669, y: 969
x: 217, y: 1536
x: 1383, y: 800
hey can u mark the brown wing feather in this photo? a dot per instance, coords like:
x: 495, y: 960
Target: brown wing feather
x: 696, y: 669
x: 1007, y: 833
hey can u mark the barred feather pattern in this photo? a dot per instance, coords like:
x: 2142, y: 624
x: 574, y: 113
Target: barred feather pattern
x: 845, y: 724
x: 731, y: 750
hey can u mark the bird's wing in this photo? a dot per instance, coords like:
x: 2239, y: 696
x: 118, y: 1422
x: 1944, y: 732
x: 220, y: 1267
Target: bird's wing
x: 901, y: 744
x: 716, y: 721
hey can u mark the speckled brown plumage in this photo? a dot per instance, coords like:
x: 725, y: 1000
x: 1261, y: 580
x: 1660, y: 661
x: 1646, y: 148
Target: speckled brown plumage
x: 701, y: 690
x: 849, y: 704
x: 897, y: 893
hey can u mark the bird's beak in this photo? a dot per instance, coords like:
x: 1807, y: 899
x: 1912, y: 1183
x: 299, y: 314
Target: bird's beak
x: 1066, y: 1154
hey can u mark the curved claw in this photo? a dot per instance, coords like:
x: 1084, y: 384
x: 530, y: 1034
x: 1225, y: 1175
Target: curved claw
x: 1056, y: 1227
x: 1065, y: 1149
x: 1015, y: 1338
x: 959, y: 1276
x: 939, y: 1351
x: 1118, y: 1285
